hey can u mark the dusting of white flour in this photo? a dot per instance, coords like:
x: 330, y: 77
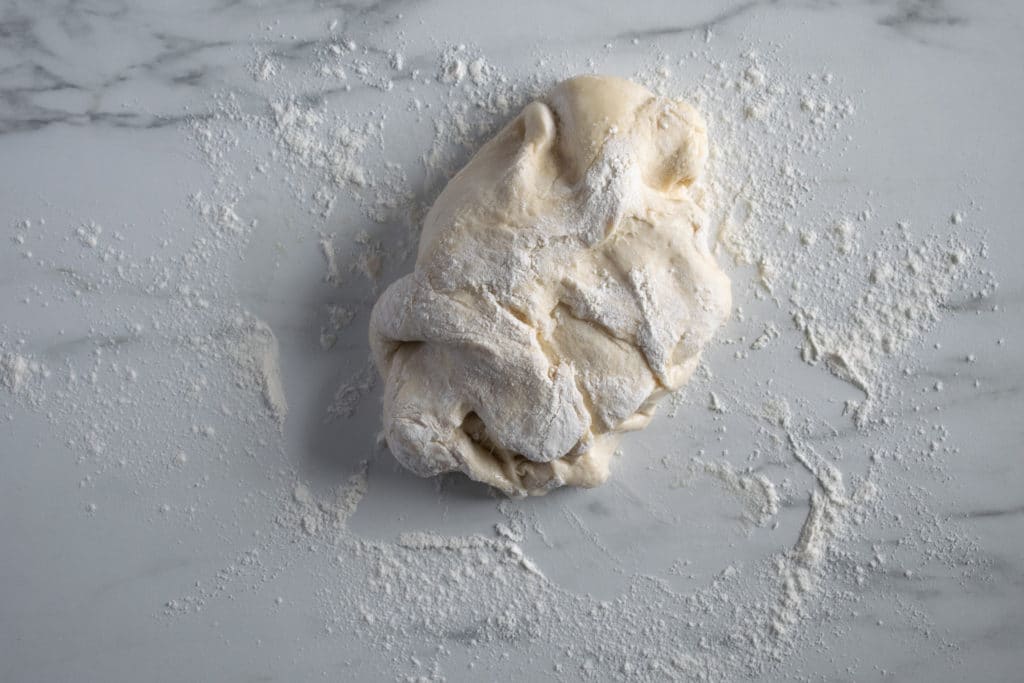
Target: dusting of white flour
x: 851, y: 290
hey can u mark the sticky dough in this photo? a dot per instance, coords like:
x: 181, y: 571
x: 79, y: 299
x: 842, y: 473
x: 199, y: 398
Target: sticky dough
x: 563, y: 285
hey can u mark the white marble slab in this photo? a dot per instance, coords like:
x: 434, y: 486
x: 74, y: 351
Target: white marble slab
x: 96, y: 100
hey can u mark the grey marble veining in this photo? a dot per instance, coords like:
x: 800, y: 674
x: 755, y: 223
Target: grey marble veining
x: 96, y: 99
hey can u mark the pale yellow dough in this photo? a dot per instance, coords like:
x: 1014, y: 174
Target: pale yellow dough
x: 563, y: 285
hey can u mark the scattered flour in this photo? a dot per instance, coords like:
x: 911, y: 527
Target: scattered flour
x: 338, y: 318
x: 756, y: 490
x: 771, y: 333
x: 315, y: 515
x: 851, y: 290
x: 257, y: 353
x: 333, y: 275
x: 350, y: 394
x: 15, y: 371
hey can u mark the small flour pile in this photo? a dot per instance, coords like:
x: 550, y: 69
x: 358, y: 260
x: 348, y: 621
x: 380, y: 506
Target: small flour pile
x: 171, y: 382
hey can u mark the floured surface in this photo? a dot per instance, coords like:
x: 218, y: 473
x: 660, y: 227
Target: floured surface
x: 830, y: 497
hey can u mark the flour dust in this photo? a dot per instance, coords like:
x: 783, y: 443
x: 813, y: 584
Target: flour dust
x: 845, y: 295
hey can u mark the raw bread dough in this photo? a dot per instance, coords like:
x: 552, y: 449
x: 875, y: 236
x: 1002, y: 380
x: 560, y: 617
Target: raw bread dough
x: 563, y: 285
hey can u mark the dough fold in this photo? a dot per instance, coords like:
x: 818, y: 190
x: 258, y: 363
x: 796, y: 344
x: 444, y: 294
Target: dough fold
x: 563, y: 285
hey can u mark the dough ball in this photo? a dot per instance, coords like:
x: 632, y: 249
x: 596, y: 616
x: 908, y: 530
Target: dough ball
x: 563, y: 285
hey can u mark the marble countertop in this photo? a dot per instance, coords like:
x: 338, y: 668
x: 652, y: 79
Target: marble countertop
x: 139, y: 224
